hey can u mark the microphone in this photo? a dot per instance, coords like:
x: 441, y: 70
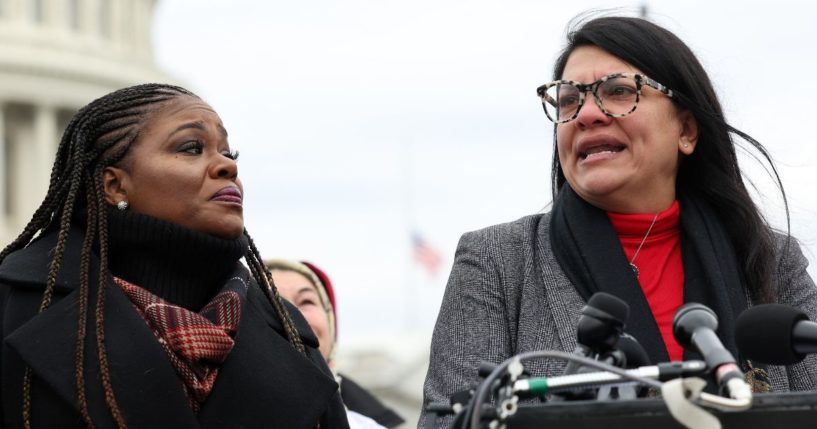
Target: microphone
x: 631, y: 355
x: 634, y: 352
x: 600, y: 336
x: 775, y: 334
x: 602, y: 321
x: 694, y: 327
x: 599, y: 328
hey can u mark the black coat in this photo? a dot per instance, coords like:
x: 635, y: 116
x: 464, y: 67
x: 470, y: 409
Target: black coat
x: 359, y: 400
x: 264, y: 382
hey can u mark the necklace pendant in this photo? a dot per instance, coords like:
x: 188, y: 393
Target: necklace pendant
x: 643, y: 240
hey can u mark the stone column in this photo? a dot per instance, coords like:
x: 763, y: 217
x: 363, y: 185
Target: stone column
x: 14, y: 9
x: 45, y: 147
x: 4, y: 176
x: 88, y: 18
x: 141, y: 29
x: 116, y: 23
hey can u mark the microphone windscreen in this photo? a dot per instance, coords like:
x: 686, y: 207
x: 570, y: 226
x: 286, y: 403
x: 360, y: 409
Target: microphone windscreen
x: 764, y: 333
x: 611, y: 305
x: 634, y: 351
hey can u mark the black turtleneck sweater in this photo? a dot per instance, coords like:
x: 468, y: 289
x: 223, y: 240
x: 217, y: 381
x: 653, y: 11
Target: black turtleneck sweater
x: 182, y: 266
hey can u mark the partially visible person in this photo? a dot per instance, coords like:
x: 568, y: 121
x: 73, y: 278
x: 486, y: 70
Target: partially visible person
x: 124, y: 303
x: 310, y: 289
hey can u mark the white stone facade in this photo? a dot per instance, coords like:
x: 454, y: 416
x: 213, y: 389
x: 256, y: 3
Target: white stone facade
x: 55, y: 57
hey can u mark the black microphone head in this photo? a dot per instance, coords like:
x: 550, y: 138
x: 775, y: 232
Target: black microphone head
x: 690, y: 317
x: 764, y: 333
x: 602, y: 321
x: 616, y: 309
x: 633, y: 351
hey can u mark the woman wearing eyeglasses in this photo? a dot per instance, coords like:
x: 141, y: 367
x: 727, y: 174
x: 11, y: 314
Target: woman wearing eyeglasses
x: 648, y: 205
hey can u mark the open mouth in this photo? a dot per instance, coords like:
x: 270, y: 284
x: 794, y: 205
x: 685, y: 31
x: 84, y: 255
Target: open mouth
x: 600, y: 150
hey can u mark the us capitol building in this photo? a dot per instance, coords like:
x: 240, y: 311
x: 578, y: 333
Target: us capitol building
x: 55, y: 57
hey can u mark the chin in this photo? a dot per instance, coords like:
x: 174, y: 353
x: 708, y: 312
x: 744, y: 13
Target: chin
x: 596, y: 185
x: 228, y: 226
x: 230, y: 235
x: 227, y: 232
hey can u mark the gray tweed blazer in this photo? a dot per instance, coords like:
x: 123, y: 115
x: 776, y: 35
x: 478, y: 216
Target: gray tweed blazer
x: 507, y: 295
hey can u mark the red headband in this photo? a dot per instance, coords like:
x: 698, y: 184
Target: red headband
x: 327, y: 285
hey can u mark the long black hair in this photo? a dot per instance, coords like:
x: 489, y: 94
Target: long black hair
x: 711, y: 172
x: 101, y: 134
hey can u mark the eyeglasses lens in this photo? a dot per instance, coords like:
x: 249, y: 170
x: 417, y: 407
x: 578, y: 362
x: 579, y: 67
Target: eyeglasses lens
x: 618, y: 96
x: 561, y: 101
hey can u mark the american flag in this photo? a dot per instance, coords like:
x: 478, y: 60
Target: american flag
x: 426, y: 255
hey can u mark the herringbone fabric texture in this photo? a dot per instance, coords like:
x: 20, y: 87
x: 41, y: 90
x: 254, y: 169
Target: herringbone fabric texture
x: 507, y: 295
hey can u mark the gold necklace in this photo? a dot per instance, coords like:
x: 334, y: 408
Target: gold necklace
x: 643, y: 240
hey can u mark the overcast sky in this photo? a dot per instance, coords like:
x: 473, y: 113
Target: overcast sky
x: 360, y: 121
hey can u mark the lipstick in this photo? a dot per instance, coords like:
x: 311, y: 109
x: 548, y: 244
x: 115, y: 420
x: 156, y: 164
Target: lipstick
x: 229, y: 194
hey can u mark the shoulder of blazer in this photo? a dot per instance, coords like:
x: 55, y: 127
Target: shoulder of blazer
x: 524, y: 229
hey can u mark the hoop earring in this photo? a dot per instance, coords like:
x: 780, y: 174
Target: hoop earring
x: 122, y: 205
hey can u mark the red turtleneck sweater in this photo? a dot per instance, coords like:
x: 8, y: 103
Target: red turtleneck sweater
x: 661, y: 271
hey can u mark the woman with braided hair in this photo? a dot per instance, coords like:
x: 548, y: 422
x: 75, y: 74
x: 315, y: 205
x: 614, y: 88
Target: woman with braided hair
x: 123, y: 301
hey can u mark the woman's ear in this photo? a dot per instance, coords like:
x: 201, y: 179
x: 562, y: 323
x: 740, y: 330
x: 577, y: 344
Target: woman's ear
x: 688, y: 137
x: 114, y: 183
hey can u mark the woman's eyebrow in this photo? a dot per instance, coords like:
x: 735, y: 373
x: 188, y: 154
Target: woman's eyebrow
x: 307, y: 289
x: 199, y: 125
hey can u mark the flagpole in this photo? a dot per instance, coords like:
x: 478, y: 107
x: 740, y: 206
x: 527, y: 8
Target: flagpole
x: 409, y: 218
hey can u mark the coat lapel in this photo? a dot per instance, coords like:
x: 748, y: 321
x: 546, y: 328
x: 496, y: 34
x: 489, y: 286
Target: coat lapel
x: 265, y: 379
x: 564, y: 302
x: 144, y: 383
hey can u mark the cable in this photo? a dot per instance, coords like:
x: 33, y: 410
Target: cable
x: 661, y: 372
x: 484, y: 387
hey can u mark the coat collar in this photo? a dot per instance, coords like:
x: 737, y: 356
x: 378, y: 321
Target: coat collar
x: 28, y: 267
x: 262, y: 367
x: 562, y: 299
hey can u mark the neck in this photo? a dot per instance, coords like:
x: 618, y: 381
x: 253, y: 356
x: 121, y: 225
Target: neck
x: 621, y: 203
x: 635, y: 225
x: 180, y: 265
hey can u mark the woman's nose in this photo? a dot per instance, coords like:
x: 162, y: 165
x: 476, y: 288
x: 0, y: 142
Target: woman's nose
x: 591, y: 114
x: 225, y: 167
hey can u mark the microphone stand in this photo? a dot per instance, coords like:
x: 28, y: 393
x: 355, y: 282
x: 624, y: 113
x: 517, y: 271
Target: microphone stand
x: 511, y: 369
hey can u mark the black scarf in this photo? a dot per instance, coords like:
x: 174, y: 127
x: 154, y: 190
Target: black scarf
x: 589, y: 252
x: 180, y: 265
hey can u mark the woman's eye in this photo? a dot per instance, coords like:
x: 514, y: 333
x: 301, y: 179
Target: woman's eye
x: 622, y: 90
x: 306, y: 302
x: 232, y: 154
x: 568, y: 101
x: 192, y: 147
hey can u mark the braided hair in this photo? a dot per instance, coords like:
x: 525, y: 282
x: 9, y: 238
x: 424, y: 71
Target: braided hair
x: 101, y: 135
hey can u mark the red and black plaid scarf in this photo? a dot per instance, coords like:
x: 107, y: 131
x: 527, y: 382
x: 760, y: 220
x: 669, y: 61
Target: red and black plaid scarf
x: 196, y: 343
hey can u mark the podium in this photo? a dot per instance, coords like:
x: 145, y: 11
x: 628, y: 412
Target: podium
x: 791, y: 410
